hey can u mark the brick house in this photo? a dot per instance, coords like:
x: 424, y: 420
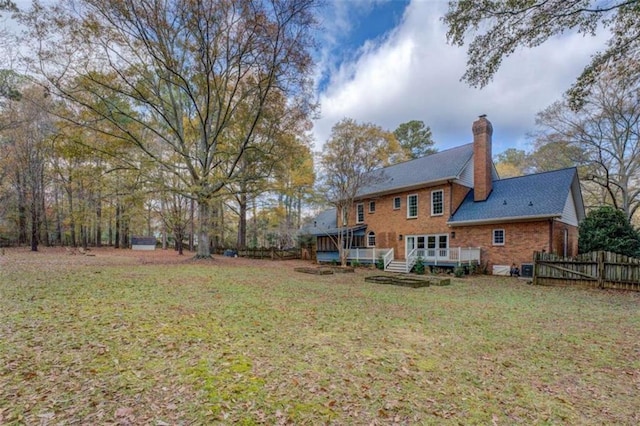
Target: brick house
x: 451, y: 207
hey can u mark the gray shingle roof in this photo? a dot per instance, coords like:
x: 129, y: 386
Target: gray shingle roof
x: 325, y: 221
x: 447, y: 164
x: 537, y: 195
x: 325, y: 224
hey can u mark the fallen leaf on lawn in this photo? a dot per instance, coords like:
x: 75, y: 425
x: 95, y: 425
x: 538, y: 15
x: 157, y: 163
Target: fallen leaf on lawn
x: 124, y: 412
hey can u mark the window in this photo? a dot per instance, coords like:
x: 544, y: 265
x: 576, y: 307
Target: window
x: 372, y: 206
x: 431, y: 242
x: 371, y: 239
x: 412, y: 206
x: 498, y: 237
x: 437, y: 203
x: 360, y: 213
x: 396, y: 203
x: 344, y: 217
x: 326, y: 244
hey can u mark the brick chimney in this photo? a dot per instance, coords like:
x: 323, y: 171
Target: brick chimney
x: 482, y: 161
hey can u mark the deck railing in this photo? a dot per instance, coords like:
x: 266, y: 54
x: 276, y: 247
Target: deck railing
x: 370, y: 255
x: 387, y: 258
x: 412, y: 258
x: 459, y: 255
x: 448, y: 256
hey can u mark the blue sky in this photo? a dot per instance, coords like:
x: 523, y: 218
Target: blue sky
x: 387, y: 62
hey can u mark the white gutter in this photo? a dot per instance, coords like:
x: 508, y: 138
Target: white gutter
x: 502, y: 219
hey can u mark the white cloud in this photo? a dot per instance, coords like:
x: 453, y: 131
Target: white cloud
x: 413, y: 74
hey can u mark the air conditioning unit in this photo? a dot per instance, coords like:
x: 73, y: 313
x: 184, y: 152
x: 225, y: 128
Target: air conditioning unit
x: 526, y: 270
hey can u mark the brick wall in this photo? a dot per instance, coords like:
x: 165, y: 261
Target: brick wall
x: 521, y: 240
x: 482, y: 158
x: 459, y: 193
x: 389, y: 223
x: 559, y: 237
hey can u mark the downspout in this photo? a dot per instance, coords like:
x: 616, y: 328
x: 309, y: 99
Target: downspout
x: 550, y: 235
x: 450, y: 198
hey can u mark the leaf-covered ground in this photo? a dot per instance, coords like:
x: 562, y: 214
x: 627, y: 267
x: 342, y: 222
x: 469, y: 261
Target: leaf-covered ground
x: 127, y: 337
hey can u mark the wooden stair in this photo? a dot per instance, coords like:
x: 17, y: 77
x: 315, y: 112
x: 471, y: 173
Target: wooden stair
x: 399, y: 266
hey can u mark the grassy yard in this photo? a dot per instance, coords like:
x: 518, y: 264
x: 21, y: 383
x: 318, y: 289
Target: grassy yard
x: 129, y: 338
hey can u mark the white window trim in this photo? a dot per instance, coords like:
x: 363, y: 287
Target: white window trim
x: 493, y: 237
x: 374, y: 206
x: 358, y: 206
x: 399, y: 203
x: 409, y: 206
x: 432, y: 203
x: 371, y: 234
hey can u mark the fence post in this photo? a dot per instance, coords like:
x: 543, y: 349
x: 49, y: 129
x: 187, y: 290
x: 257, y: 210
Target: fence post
x: 600, y: 269
x: 536, y: 257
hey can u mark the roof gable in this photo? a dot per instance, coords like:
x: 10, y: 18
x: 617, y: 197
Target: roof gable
x: 325, y: 221
x: 443, y: 165
x: 540, y: 195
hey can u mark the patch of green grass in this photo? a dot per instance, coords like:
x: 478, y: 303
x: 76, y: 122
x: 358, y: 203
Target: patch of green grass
x: 206, y: 343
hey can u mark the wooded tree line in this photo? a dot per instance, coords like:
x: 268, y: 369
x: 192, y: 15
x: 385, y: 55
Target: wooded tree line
x: 63, y: 184
x: 192, y: 119
x: 140, y: 112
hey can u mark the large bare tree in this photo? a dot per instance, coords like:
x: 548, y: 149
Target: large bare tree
x: 179, y: 71
x: 499, y: 28
x: 606, y: 134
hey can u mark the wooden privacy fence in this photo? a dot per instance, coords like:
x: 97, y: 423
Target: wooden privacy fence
x: 262, y: 253
x: 600, y: 269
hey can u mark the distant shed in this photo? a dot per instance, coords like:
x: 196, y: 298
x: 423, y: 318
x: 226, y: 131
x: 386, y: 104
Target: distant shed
x: 143, y: 243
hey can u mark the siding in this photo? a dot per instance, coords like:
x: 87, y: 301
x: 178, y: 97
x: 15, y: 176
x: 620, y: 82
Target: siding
x: 466, y: 177
x: 569, y: 215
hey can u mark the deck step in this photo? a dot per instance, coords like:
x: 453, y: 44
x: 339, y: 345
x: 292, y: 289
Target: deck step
x: 397, y: 266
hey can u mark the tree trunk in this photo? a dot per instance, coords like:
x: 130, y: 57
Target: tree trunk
x: 99, y: 221
x: 58, y: 218
x: 34, y: 225
x: 192, y: 230
x: 44, y: 222
x: 179, y: 236
x: 164, y: 223
x: 110, y: 232
x: 116, y: 243
x: 204, y: 219
x: 84, y: 236
x: 72, y: 221
x: 241, y: 242
x: 124, y: 226
x: 22, y: 211
x: 149, y: 234
x: 298, y: 212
